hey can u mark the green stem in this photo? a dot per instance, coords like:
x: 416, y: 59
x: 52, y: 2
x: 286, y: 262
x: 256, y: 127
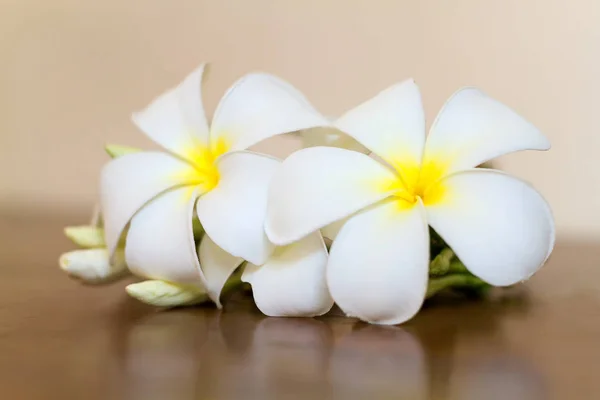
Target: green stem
x: 441, y: 263
x: 457, y: 267
x: 437, y: 284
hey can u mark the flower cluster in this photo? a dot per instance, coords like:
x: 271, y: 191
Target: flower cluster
x: 402, y: 210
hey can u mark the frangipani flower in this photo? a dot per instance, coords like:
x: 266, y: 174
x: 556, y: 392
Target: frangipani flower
x: 207, y: 171
x: 499, y: 226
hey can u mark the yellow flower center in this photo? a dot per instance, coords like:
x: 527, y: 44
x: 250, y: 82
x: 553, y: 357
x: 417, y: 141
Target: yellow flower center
x: 202, y: 157
x: 416, y: 181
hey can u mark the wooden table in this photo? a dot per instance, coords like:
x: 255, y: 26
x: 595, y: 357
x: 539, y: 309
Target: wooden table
x: 61, y: 340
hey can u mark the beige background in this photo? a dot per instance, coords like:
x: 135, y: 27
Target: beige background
x: 72, y: 71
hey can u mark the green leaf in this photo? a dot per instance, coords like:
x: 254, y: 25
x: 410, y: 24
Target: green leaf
x: 455, y: 281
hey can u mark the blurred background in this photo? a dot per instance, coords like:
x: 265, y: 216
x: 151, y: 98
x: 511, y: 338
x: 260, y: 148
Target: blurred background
x: 72, y: 71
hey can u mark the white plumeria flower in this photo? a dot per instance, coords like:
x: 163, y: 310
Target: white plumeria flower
x: 207, y: 170
x: 499, y: 226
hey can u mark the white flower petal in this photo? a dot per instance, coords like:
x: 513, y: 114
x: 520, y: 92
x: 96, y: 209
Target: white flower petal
x: 378, y: 264
x: 292, y: 282
x: 499, y: 227
x: 217, y: 265
x: 233, y: 213
x: 176, y: 119
x: 160, y: 242
x: 473, y: 128
x: 317, y: 186
x: 391, y: 124
x: 259, y: 106
x: 128, y: 182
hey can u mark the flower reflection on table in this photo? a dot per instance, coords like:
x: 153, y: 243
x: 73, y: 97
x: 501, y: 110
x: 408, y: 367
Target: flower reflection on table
x: 239, y: 353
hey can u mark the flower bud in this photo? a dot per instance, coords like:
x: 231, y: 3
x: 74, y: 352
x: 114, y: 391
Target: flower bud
x: 115, y: 150
x: 86, y: 236
x: 166, y: 294
x: 92, y: 266
x: 96, y: 219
